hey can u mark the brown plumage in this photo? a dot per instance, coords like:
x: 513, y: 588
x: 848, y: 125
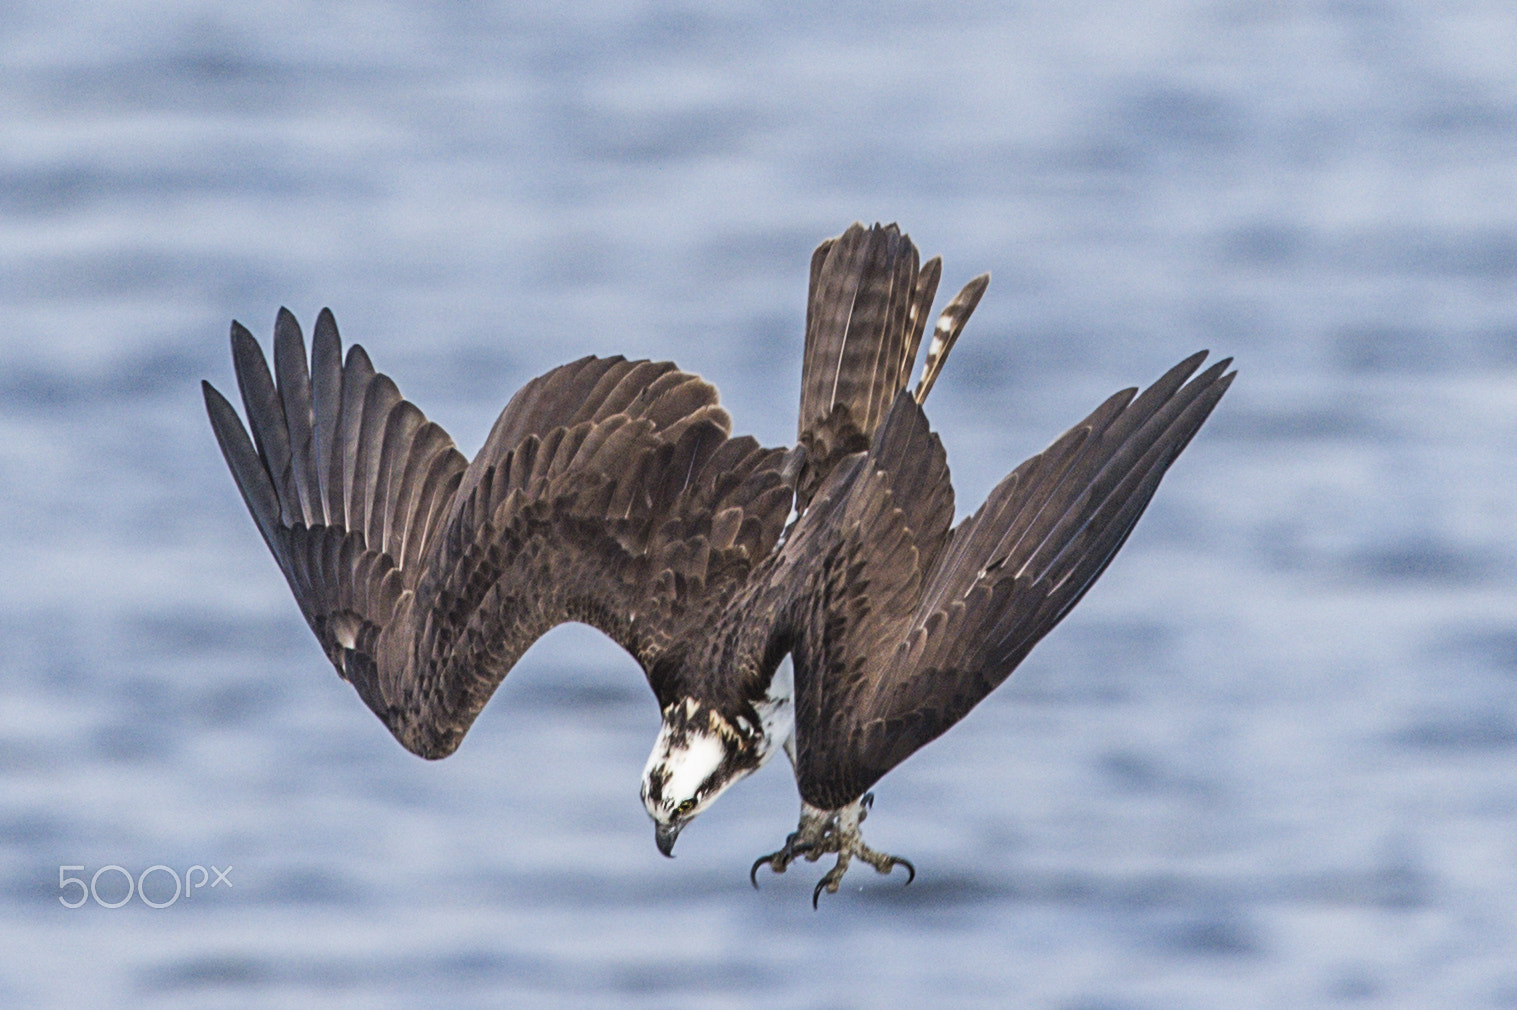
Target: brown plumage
x: 906, y: 624
x: 611, y: 492
x: 608, y: 492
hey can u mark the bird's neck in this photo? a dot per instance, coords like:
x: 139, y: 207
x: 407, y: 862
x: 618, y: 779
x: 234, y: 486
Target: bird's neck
x: 743, y: 686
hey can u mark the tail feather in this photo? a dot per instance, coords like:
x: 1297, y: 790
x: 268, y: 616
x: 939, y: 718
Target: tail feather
x: 921, y: 307
x: 950, y: 325
x: 855, y: 323
x: 867, y: 312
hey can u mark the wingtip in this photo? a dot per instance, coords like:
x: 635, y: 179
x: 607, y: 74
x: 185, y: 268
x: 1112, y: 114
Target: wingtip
x: 287, y: 329
x: 326, y: 344
x: 210, y: 394
x: 1214, y: 371
x: 357, y: 359
x: 247, y: 352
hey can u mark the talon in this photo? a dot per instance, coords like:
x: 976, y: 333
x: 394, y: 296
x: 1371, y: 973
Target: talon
x: 781, y: 860
x: 823, y: 832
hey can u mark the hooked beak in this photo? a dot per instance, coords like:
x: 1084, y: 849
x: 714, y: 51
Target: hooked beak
x: 664, y: 836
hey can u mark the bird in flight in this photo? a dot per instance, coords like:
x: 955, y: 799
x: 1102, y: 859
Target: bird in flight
x: 611, y: 492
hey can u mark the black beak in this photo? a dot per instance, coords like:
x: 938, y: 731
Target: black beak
x: 664, y: 836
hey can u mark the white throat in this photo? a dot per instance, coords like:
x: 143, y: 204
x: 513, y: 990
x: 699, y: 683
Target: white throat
x: 688, y: 763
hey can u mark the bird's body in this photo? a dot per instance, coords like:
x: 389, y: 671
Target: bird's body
x: 610, y: 492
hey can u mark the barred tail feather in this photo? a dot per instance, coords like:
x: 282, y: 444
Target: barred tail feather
x: 950, y: 325
x: 869, y: 303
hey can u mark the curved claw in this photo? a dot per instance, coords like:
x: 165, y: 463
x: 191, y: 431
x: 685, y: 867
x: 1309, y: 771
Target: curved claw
x: 786, y: 855
x: 835, y: 831
x: 830, y: 882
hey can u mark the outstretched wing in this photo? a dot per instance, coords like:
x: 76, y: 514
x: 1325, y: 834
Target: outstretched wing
x: 608, y: 492
x: 347, y: 481
x: 904, y: 626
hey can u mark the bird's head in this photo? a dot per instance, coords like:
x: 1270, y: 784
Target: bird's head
x: 697, y: 755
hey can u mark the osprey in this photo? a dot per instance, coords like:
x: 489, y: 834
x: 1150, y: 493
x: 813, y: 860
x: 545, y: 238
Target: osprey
x: 611, y: 492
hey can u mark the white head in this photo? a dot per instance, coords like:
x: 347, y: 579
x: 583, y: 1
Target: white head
x: 696, y: 757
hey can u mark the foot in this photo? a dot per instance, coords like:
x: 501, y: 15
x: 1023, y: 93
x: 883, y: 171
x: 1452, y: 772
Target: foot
x: 824, y: 831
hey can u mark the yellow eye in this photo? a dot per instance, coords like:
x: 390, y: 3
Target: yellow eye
x: 684, y: 808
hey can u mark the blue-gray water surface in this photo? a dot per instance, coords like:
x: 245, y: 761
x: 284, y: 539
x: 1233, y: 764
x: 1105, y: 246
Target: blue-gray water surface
x: 1270, y: 761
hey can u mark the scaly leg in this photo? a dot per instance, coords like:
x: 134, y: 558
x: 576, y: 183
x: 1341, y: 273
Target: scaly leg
x: 824, y: 831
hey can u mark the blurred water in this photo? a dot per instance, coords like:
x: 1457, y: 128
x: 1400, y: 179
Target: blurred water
x: 1268, y: 761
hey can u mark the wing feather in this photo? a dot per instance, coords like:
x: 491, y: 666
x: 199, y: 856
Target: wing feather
x: 326, y: 400
x: 607, y: 492
x: 265, y: 417
x: 248, y: 469
x: 295, y: 399
x: 357, y: 374
x: 905, y: 626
